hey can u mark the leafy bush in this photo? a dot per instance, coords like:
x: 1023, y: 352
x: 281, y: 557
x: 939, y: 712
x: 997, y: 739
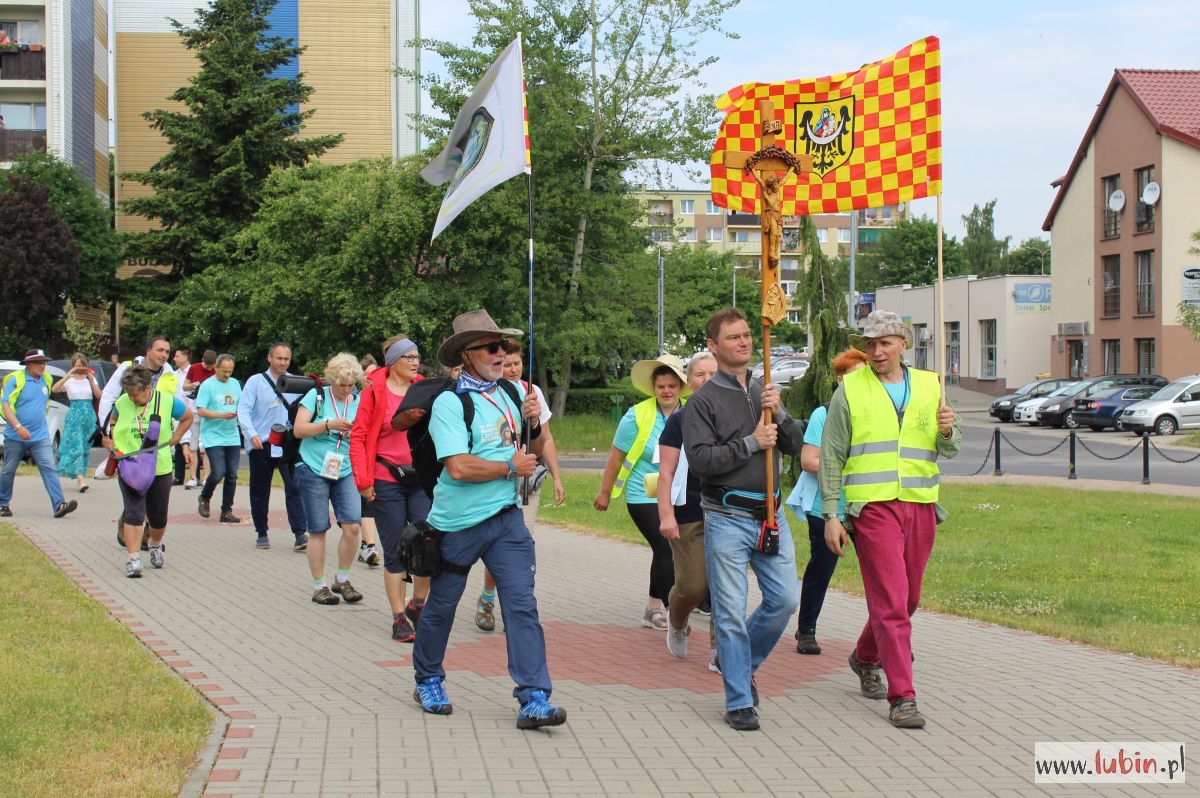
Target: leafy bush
x: 600, y: 401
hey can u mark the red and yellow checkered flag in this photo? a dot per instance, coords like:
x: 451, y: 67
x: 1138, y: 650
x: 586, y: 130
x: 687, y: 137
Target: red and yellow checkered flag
x: 875, y: 135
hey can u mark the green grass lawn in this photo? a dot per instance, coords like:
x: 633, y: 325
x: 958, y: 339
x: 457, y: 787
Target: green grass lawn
x: 1191, y: 440
x: 1117, y: 570
x: 85, y: 710
x: 583, y: 433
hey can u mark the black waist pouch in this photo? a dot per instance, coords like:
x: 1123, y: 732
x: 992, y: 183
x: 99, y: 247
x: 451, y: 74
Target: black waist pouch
x: 420, y: 551
x: 405, y: 476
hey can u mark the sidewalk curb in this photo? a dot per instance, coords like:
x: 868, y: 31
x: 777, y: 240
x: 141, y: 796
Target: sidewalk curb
x: 206, y: 759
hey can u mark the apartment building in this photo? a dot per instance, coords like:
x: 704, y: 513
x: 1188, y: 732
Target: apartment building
x: 1121, y: 228
x: 54, y: 82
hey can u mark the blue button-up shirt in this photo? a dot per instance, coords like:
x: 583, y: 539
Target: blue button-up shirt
x: 259, y: 409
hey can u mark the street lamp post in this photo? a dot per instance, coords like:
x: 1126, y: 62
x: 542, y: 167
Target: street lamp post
x: 1043, y: 253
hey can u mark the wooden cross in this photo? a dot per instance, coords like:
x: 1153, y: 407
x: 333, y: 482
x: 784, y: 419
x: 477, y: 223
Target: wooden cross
x: 764, y: 166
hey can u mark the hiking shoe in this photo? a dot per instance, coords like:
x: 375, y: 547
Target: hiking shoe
x: 432, y: 698
x: 301, y: 543
x: 714, y: 661
x: 538, y: 712
x: 485, y: 616
x: 62, y: 508
x: 347, y: 592
x: 230, y: 518
x: 413, y: 613
x: 905, y: 715
x: 677, y: 639
x: 806, y: 643
x: 157, y: 559
x: 322, y: 595
x: 870, y: 678
x: 745, y: 719
x: 133, y: 568
x: 402, y: 630
x: 263, y: 542
x: 190, y: 484
x: 369, y: 555
x: 202, y: 507
x: 5, y: 512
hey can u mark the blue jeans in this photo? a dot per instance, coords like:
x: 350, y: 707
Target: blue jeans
x: 395, y: 507
x: 43, y: 456
x: 506, y: 548
x: 317, y: 493
x: 744, y: 643
x: 223, y: 465
x: 262, y: 468
x: 821, y: 564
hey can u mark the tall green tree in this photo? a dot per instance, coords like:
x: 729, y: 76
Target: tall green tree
x: 1032, y: 256
x: 908, y: 254
x: 823, y: 296
x: 611, y: 85
x: 89, y: 219
x: 983, y: 251
x: 238, y: 123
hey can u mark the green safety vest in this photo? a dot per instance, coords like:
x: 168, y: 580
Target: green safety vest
x: 888, y: 460
x: 19, y: 378
x: 645, y: 414
x: 126, y: 437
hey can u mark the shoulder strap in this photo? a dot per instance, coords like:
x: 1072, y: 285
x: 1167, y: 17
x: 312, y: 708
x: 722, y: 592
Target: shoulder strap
x: 274, y: 387
x: 468, y: 408
x: 513, y: 394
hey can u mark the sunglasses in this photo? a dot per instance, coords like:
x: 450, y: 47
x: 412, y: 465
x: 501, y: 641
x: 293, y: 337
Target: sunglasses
x: 491, y: 348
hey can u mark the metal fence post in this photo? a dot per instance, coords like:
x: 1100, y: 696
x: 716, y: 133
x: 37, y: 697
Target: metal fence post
x: 996, y: 445
x: 1071, y: 464
x: 1145, y: 458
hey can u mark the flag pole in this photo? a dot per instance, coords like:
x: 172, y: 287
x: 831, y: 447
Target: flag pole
x: 941, y: 305
x: 529, y: 186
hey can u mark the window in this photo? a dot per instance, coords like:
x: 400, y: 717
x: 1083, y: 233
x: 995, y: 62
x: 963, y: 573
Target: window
x: 687, y: 234
x: 843, y: 235
x: 1145, y: 213
x: 1145, y: 355
x: 1112, y: 356
x: 1112, y: 220
x: 712, y: 209
x: 660, y: 235
x: 987, y: 337
x: 25, y: 31
x: 794, y: 316
x: 1145, y: 283
x: 952, y: 344
x: 921, y: 353
x: 739, y: 236
x: 1112, y: 286
x: 712, y: 235
x: 687, y: 206
x: 822, y: 235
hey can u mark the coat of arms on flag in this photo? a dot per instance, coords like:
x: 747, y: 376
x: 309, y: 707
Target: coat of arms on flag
x: 875, y: 135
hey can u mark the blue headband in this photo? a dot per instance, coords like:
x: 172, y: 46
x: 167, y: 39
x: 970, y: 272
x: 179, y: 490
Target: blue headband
x: 397, y: 350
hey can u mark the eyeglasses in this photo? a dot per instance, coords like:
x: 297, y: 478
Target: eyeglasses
x: 411, y: 358
x: 491, y: 348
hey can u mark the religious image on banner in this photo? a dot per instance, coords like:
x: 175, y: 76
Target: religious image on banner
x: 874, y: 134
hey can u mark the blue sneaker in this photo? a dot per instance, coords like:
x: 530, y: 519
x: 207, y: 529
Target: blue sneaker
x: 432, y: 698
x: 538, y: 712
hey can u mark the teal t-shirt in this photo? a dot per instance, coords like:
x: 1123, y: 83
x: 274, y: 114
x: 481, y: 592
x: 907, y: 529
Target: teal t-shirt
x: 898, y: 392
x: 314, y: 449
x: 812, y: 436
x: 635, y: 486
x: 219, y: 397
x: 461, y: 505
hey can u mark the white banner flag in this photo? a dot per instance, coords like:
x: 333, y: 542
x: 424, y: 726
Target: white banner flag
x: 489, y: 142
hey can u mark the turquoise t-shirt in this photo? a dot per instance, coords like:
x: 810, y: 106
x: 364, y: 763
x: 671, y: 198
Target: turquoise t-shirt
x: 635, y: 486
x: 812, y: 436
x: 898, y: 392
x: 219, y: 397
x: 314, y: 449
x: 461, y: 505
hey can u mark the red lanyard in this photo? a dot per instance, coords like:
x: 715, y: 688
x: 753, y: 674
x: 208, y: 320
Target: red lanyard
x: 512, y: 425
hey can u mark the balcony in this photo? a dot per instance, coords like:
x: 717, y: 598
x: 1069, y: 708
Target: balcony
x: 743, y: 220
x: 17, y: 142
x: 23, y: 65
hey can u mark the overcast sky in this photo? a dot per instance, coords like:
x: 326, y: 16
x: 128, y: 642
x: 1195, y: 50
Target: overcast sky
x: 1020, y: 80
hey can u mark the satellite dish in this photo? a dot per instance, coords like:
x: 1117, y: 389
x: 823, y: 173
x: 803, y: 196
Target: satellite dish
x: 1151, y: 193
x: 1116, y: 201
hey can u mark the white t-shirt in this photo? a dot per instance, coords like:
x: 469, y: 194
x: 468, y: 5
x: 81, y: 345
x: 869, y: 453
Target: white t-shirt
x: 79, y: 388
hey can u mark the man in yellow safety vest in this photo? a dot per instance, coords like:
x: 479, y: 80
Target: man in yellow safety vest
x: 886, y: 427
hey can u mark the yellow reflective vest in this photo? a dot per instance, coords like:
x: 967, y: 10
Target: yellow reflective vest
x: 889, y: 460
x: 18, y: 377
x: 645, y: 413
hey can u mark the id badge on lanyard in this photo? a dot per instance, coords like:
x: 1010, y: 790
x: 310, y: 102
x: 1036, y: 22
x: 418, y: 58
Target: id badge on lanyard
x: 331, y: 467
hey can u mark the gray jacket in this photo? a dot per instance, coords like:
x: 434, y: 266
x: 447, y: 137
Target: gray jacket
x: 718, y: 435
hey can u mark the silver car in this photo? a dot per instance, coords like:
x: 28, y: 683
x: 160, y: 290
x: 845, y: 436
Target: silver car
x: 57, y: 412
x: 777, y: 365
x: 1174, y: 407
x: 1027, y: 411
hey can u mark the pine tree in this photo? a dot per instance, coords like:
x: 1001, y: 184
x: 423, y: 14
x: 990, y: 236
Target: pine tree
x: 239, y: 124
x: 823, y: 294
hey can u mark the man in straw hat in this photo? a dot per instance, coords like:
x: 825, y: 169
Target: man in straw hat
x: 726, y: 442
x: 885, y: 429
x: 475, y: 505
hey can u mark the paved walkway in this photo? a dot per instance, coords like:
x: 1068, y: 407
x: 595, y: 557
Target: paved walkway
x: 317, y: 699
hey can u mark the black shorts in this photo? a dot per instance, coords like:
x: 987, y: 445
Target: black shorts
x: 152, y: 506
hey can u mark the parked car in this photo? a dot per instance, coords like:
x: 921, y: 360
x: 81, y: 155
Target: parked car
x: 777, y: 364
x: 103, y: 369
x: 786, y: 375
x: 1002, y: 406
x: 55, y: 415
x: 1058, y: 413
x: 1172, y: 408
x: 782, y: 350
x: 1026, y: 411
x: 1104, y: 409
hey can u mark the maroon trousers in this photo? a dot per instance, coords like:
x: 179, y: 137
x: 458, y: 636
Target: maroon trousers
x: 893, y: 540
